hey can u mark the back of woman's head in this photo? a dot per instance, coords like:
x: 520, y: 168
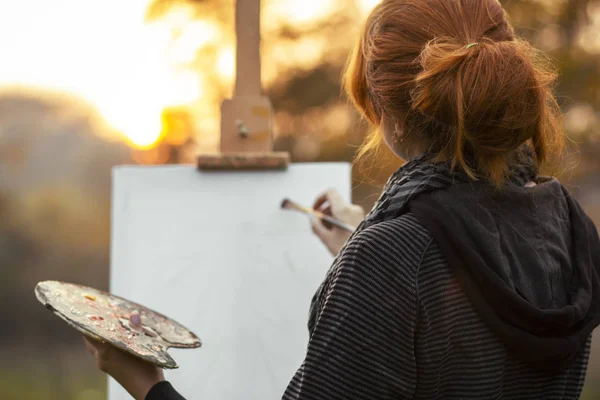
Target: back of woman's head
x: 454, y: 78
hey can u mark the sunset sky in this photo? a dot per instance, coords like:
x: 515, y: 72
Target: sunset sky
x: 130, y: 69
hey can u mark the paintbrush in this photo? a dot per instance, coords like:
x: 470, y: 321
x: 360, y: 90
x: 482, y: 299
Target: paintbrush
x: 287, y: 204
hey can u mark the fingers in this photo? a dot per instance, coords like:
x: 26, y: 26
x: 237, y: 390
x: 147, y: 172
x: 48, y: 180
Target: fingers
x: 327, y: 211
x: 331, y: 203
x: 335, y: 199
x: 96, y: 348
x: 89, y: 347
x: 93, y: 345
x: 320, y: 201
x: 320, y: 229
x: 330, y: 197
x: 99, y: 350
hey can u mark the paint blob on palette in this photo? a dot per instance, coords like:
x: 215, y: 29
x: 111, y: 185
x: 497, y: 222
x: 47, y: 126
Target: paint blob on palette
x: 105, y: 317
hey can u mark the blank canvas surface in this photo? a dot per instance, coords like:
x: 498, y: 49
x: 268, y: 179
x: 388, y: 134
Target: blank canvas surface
x: 214, y: 251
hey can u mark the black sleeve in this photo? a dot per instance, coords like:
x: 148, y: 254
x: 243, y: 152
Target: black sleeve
x: 163, y: 391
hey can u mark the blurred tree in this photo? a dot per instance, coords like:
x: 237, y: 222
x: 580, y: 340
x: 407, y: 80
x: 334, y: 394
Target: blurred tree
x: 54, y: 207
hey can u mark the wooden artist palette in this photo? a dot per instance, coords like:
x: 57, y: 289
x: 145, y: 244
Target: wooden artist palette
x: 105, y: 317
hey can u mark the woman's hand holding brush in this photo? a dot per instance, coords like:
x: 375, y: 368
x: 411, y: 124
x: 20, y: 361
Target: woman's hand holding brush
x: 332, y: 203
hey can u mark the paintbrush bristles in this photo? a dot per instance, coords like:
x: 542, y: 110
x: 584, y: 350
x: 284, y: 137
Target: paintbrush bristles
x: 287, y: 204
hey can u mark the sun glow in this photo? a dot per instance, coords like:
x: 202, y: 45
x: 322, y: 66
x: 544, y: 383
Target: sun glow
x: 132, y: 70
x: 106, y: 53
x: 367, y: 5
x: 298, y: 12
x: 226, y: 63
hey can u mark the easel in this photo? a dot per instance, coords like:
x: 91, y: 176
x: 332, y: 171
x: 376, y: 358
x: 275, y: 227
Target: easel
x: 223, y: 258
x: 246, y: 118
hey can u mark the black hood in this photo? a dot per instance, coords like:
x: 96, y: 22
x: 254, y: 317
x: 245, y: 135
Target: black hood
x: 527, y: 258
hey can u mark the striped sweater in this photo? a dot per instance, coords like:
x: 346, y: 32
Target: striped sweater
x: 395, y: 324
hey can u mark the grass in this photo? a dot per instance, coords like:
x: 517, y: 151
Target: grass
x: 75, y: 380
x: 16, y: 385
x: 52, y: 375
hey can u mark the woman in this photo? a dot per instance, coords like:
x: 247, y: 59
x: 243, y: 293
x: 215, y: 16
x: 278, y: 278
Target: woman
x: 473, y: 277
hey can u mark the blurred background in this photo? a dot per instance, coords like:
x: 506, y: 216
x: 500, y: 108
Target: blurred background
x: 86, y: 85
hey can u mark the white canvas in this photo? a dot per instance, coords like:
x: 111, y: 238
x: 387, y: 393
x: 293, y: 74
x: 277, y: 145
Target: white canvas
x: 214, y: 251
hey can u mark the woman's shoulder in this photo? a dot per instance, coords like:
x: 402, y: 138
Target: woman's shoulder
x: 401, y: 241
x: 404, y: 229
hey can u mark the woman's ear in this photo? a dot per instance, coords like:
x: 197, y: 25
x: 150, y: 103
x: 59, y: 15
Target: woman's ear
x: 396, y: 139
x: 388, y: 130
x: 392, y: 133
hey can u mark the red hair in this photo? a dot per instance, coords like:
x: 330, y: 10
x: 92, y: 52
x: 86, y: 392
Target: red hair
x: 457, y: 81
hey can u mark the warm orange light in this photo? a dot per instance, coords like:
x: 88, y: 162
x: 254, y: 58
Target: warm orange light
x: 132, y: 70
x: 191, y: 40
x: 226, y: 63
x: 105, y: 53
x: 297, y: 12
x: 367, y: 5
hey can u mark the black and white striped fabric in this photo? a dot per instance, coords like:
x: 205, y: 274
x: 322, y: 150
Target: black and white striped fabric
x: 395, y: 324
x: 390, y: 321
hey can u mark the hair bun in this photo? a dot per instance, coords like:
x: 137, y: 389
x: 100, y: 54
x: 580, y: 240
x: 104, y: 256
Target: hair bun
x: 493, y: 95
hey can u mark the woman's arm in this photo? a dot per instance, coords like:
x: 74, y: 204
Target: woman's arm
x: 362, y: 346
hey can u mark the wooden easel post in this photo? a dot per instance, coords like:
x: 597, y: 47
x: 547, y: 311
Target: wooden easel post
x: 246, y: 118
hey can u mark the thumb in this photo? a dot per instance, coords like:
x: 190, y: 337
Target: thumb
x: 89, y: 346
x: 336, y: 201
x: 320, y: 229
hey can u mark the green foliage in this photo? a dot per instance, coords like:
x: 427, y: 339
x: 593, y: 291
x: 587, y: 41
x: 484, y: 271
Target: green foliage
x: 42, y: 381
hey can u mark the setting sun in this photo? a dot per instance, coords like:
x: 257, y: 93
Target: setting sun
x: 105, y: 53
x: 131, y: 69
